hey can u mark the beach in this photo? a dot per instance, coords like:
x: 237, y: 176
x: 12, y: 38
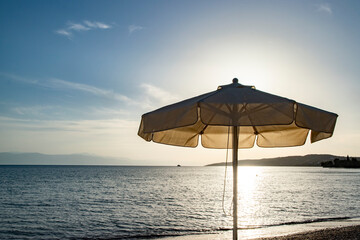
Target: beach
x: 341, y: 233
x: 348, y: 233
x: 332, y: 230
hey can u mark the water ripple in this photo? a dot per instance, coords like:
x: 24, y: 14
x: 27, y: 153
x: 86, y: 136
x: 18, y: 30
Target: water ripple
x: 64, y: 202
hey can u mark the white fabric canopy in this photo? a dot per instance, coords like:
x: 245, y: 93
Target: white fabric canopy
x: 243, y: 112
x: 270, y: 120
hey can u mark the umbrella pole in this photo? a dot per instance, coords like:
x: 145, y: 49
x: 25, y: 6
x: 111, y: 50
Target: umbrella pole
x: 235, y: 168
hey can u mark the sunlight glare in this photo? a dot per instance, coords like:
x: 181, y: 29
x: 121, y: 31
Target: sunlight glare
x: 248, y: 180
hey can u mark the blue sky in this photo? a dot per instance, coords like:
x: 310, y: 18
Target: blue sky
x: 76, y: 76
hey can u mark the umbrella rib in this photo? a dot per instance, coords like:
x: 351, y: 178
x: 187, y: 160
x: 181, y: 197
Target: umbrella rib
x: 196, y: 134
x: 228, y: 107
x: 259, y: 108
x: 213, y: 115
x: 251, y: 121
x: 293, y: 114
x: 189, y: 139
x: 215, y: 111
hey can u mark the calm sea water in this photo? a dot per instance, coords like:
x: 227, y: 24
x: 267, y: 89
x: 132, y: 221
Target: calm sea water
x: 95, y: 202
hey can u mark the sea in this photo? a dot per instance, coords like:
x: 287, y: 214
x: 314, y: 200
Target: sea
x: 125, y: 202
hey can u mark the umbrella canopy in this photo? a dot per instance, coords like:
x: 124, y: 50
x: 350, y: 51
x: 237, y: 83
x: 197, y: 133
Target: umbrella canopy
x: 247, y: 114
x: 270, y: 120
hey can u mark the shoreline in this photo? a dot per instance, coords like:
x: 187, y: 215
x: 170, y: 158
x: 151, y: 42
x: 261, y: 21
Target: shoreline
x: 347, y: 228
x: 339, y: 233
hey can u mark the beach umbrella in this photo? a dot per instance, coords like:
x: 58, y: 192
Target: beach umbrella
x: 246, y: 113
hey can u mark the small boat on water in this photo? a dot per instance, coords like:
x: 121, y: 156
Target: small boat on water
x: 179, y: 165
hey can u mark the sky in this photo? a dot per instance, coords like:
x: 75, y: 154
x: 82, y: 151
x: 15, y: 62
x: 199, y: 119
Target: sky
x: 76, y: 76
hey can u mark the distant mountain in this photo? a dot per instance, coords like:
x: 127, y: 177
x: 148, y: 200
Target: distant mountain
x: 9, y: 158
x: 307, y: 160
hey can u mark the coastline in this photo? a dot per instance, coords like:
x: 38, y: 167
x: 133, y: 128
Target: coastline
x: 338, y: 229
x: 345, y: 233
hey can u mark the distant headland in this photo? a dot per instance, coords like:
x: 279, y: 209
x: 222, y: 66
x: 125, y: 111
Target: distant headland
x: 345, y: 163
x: 311, y: 160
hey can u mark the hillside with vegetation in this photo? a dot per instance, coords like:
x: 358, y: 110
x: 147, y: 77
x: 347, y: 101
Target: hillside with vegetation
x: 342, y: 163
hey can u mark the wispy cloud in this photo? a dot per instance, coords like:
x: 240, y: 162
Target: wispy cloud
x: 134, y: 28
x: 18, y: 78
x: 64, y: 33
x: 99, y: 125
x: 77, y: 27
x: 149, y: 96
x: 324, y: 7
x: 65, y: 112
x: 155, y: 96
x: 36, y: 110
x: 84, y: 26
x: 55, y: 83
x: 97, y: 25
x: 58, y: 83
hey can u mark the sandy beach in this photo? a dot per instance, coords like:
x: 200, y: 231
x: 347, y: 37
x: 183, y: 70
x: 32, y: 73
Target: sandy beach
x: 341, y: 233
x: 332, y: 230
x: 348, y: 233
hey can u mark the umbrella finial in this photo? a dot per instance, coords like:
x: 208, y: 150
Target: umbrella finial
x: 235, y: 80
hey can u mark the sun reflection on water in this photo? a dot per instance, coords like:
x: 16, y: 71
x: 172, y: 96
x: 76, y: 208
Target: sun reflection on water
x: 249, y: 179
